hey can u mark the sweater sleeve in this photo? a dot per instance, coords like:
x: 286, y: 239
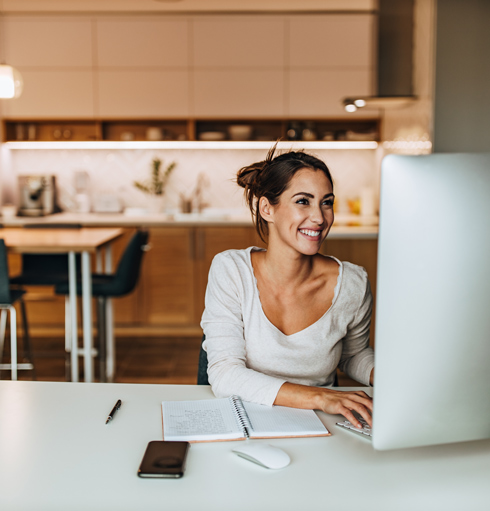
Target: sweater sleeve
x: 222, y: 323
x: 357, y: 359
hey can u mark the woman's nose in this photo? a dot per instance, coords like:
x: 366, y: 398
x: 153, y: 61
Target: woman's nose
x: 316, y: 215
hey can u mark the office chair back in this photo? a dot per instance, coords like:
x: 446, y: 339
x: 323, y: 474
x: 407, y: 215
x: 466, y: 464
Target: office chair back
x: 5, y: 296
x: 128, y: 269
x: 45, y: 269
x: 202, y: 370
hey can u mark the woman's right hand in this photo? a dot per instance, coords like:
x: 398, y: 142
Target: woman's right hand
x: 344, y: 403
x: 327, y: 400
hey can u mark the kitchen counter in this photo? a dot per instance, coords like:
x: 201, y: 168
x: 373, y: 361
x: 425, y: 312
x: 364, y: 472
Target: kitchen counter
x: 344, y: 227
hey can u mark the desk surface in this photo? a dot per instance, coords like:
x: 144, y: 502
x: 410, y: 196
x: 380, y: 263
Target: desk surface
x: 58, y: 240
x: 56, y: 453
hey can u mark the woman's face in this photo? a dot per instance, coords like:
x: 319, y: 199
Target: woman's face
x: 304, y: 214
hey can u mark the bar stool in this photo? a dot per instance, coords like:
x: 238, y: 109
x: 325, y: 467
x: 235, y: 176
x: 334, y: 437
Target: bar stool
x: 8, y: 297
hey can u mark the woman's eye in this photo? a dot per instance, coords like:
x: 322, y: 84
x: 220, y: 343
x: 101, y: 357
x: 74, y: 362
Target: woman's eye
x: 328, y: 202
x: 302, y: 201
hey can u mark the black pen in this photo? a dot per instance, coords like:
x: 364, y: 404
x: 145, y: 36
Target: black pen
x: 113, y: 411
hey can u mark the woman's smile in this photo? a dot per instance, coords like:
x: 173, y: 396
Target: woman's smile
x: 310, y: 233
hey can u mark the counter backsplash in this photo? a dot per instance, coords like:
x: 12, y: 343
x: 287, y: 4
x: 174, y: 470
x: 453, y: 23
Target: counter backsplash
x: 112, y: 173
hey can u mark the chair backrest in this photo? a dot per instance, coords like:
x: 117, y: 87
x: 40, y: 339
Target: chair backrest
x: 53, y: 225
x: 202, y: 370
x: 128, y: 269
x: 5, y: 297
x: 46, y: 269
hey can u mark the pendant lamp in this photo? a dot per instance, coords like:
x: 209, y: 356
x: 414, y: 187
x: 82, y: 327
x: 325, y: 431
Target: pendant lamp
x: 11, y: 83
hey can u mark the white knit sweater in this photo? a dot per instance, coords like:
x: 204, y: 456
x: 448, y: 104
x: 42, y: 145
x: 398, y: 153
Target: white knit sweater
x: 250, y: 357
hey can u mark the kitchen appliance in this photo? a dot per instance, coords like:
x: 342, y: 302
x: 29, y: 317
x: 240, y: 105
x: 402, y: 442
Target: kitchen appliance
x: 394, y: 57
x: 37, y: 195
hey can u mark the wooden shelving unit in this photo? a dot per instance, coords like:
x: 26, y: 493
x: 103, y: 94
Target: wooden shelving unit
x: 52, y: 130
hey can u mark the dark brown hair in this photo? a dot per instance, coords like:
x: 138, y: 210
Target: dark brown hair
x: 271, y: 177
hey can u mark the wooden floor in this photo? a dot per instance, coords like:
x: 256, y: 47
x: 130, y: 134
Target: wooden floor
x: 138, y: 360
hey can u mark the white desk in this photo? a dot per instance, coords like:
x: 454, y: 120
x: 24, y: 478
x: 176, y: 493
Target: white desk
x: 57, y: 454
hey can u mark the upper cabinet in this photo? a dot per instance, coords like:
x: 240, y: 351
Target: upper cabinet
x: 238, y: 66
x: 239, y: 42
x: 269, y: 66
x: 54, y: 56
x: 331, y: 41
x: 47, y: 42
x: 148, y: 93
x: 142, y: 42
x: 53, y: 93
x: 330, y: 57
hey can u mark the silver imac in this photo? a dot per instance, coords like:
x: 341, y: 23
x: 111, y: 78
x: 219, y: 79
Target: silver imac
x: 432, y: 341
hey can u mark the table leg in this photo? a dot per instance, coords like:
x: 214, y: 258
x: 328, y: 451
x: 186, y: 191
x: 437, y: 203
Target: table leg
x: 87, y: 317
x: 72, y: 323
x: 109, y: 324
x: 13, y: 342
x: 101, y: 319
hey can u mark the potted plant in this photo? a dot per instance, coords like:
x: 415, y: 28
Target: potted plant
x: 155, y: 186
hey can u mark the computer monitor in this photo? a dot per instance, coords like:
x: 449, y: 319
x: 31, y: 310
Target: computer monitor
x: 432, y: 340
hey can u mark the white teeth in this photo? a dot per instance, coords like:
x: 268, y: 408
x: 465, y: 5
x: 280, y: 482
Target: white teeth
x: 313, y: 234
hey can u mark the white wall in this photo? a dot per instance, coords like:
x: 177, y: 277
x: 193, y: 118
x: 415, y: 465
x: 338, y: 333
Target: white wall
x: 462, y: 81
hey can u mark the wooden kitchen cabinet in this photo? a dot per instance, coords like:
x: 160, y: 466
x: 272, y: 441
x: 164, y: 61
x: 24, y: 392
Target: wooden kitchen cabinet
x: 51, y: 94
x: 155, y: 93
x: 49, y: 42
x: 225, y: 66
x: 239, y: 42
x: 142, y: 42
x: 249, y: 93
x: 167, y: 279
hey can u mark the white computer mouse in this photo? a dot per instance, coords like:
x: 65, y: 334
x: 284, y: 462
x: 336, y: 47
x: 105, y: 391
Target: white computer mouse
x: 265, y: 455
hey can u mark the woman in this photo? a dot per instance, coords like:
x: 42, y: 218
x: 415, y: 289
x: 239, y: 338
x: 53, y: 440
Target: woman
x: 278, y: 322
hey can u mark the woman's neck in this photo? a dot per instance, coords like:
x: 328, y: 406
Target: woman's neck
x: 284, y: 267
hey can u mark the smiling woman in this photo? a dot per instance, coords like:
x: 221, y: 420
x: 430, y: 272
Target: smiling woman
x: 278, y: 322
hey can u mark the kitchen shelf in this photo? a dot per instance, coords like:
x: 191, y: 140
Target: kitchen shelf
x: 182, y: 130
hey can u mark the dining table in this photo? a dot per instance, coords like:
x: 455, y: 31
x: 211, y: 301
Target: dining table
x: 85, y: 241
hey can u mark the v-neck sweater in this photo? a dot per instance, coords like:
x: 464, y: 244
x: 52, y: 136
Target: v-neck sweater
x: 250, y: 357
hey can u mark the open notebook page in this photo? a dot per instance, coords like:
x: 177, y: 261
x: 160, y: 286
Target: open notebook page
x: 281, y: 421
x: 199, y: 421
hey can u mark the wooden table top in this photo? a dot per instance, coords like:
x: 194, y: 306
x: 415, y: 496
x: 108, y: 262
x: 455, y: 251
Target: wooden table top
x: 51, y: 241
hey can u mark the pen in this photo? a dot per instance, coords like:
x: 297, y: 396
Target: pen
x: 113, y: 411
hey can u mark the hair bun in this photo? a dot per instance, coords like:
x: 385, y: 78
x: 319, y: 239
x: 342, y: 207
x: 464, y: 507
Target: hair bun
x: 247, y: 176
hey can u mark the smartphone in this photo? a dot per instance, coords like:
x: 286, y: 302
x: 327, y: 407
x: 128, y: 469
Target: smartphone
x: 164, y: 459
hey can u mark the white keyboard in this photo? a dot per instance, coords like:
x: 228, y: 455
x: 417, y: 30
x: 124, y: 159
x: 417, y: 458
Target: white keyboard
x: 365, y: 431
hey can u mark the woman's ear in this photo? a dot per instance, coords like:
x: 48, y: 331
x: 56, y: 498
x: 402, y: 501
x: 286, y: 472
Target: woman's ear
x: 266, y: 209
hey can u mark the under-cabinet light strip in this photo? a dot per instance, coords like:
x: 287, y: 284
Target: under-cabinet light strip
x: 191, y: 145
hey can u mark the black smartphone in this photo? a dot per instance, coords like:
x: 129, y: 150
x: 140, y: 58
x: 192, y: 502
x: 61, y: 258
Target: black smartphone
x: 164, y: 459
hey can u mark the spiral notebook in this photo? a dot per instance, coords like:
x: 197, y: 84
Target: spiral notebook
x: 212, y: 420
